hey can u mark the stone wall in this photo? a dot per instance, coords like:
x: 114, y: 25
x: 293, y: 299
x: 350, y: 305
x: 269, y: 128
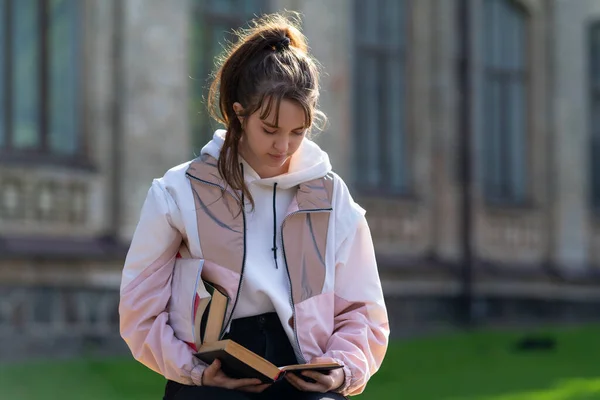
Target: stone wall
x: 64, y: 229
x: 51, y: 321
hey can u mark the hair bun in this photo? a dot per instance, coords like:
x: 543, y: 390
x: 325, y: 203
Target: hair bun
x: 282, y: 44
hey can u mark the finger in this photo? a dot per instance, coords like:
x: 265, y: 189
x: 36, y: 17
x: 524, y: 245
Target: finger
x: 211, y: 371
x: 214, y: 366
x: 255, y: 388
x: 301, y: 384
x: 321, y: 385
x: 326, y: 380
x: 293, y: 382
x: 317, y: 376
x: 238, y: 383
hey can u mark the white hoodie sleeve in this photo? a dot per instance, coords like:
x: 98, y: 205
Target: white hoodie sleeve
x: 361, y: 327
x: 146, y: 291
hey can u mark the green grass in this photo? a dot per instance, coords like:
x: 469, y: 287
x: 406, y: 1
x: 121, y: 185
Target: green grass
x: 113, y: 379
x: 483, y: 366
x: 474, y: 366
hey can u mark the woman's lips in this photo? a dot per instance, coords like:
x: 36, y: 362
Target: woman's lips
x: 278, y: 157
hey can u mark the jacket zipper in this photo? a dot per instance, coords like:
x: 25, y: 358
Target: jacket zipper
x: 237, y: 295
x: 296, y: 343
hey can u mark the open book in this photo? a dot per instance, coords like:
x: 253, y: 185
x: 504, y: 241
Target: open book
x: 239, y: 362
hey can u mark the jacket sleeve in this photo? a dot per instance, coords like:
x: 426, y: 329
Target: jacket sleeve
x: 146, y: 290
x: 361, y: 327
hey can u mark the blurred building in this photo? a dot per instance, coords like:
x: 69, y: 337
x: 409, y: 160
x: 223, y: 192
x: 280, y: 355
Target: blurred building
x: 97, y: 98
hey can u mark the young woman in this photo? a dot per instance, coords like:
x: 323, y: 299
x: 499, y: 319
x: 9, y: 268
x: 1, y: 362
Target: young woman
x: 277, y: 230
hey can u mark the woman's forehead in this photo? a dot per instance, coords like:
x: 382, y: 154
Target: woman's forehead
x: 290, y: 114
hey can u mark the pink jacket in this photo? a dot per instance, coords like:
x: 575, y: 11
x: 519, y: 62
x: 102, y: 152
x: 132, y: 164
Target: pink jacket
x: 337, y: 310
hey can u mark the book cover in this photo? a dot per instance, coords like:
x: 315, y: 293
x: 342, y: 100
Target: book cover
x: 189, y: 300
x: 214, y: 317
x: 201, y: 304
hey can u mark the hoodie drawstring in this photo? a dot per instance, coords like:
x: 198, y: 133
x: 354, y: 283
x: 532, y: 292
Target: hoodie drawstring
x: 274, y: 249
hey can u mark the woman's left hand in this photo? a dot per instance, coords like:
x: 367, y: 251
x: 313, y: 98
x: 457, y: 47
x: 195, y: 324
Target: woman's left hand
x: 323, y: 382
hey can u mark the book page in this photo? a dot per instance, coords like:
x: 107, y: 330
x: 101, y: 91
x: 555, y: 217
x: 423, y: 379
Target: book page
x: 313, y: 367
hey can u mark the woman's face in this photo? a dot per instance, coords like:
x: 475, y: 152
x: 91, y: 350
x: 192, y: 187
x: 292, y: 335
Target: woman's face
x: 268, y: 147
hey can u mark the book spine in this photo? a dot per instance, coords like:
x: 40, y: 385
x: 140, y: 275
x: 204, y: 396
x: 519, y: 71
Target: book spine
x: 280, y: 375
x: 195, y: 332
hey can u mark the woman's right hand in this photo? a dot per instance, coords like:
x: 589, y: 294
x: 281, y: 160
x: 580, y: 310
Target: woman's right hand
x: 214, y: 376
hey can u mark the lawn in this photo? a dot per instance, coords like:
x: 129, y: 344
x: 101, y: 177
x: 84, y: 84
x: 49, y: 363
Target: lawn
x: 473, y: 366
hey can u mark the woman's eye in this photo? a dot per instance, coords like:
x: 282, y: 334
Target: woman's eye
x: 299, y: 133
x: 268, y: 132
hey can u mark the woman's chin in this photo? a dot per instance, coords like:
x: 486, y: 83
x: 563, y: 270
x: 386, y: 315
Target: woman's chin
x: 277, y: 166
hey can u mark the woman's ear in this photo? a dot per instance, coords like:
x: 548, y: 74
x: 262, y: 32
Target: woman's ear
x: 238, y: 109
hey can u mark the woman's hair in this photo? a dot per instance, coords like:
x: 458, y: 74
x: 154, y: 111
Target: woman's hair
x: 268, y: 63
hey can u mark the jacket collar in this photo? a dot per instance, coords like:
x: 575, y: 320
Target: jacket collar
x: 315, y: 194
x: 204, y: 168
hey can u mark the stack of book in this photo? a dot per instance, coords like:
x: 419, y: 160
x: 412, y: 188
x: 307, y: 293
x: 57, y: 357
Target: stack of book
x: 209, y: 310
x: 197, y: 307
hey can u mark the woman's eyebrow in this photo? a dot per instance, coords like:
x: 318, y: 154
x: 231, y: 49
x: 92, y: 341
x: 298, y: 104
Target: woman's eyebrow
x: 277, y: 127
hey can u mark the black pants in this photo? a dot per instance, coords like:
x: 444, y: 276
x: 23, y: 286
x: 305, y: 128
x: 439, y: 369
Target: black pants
x: 264, y: 335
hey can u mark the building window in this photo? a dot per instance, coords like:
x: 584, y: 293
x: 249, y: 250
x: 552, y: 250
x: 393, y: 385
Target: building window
x: 380, y: 97
x: 505, y: 105
x: 40, y: 62
x: 213, y: 22
x: 594, y: 46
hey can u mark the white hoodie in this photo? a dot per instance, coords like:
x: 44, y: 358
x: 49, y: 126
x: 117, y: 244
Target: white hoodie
x: 265, y: 287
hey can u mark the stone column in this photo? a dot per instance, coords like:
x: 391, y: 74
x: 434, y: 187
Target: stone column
x: 571, y: 133
x: 155, y: 132
x: 444, y: 119
x: 99, y: 94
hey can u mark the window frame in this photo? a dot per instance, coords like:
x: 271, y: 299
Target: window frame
x: 507, y: 76
x: 42, y: 153
x: 204, y: 12
x: 383, y: 53
x: 594, y: 103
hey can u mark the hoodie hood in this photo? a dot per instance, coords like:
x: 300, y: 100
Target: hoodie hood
x: 308, y: 162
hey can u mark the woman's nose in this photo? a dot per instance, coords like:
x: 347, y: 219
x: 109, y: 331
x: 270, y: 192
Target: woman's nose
x: 281, y: 145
